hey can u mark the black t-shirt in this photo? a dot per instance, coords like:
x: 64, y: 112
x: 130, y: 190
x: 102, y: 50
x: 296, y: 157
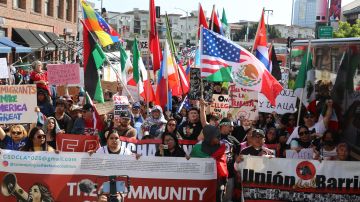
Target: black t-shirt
x: 178, y: 152
x: 65, y: 123
x: 190, y: 131
x: 232, y: 149
x: 239, y: 133
x: 303, y: 144
x: 110, y: 152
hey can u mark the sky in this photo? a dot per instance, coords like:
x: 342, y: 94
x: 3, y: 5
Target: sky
x: 235, y: 9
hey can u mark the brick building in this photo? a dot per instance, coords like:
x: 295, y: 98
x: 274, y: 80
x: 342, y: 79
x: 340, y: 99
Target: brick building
x: 37, y: 23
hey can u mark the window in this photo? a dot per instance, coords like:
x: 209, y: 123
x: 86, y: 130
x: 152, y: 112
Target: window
x: 60, y: 9
x: 19, y: 4
x: 68, y: 10
x: 75, y: 10
x: 3, y: 1
x: 36, y: 6
x: 49, y: 7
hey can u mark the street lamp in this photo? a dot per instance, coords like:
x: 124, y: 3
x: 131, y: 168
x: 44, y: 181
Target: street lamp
x: 186, y: 23
x: 267, y: 18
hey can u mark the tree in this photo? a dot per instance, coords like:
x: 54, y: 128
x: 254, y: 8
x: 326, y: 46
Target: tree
x: 272, y: 32
x: 347, y: 31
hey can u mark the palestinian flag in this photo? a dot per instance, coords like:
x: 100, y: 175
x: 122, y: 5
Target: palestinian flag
x: 298, y: 51
x: 94, y: 57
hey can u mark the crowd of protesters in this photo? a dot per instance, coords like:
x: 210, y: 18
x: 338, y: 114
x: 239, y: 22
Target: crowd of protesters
x: 225, y: 139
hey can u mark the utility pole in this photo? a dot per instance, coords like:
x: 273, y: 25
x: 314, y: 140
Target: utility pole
x: 267, y: 18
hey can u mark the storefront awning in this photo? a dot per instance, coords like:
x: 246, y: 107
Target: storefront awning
x: 45, y: 41
x: 26, y: 38
x: 53, y: 37
x: 4, y: 49
x: 17, y: 48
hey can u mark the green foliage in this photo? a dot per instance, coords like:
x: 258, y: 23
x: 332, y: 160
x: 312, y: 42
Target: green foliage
x: 347, y: 31
x: 240, y: 35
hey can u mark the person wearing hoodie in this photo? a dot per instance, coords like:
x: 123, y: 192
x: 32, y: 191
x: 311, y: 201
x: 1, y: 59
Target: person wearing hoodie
x: 155, y: 124
x: 51, y: 129
x: 211, y: 147
x: 44, y: 104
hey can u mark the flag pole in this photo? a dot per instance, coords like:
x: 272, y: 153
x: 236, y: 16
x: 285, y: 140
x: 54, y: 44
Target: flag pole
x: 212, y: 18
x: 302, y: 91
x: 200, y: 50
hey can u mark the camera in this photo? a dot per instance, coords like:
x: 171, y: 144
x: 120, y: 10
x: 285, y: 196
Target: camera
x: 165, y: 146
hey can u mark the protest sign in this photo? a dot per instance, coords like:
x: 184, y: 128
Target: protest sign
x: 121, y: 103
x: 195, y: 86
x: 279, y: 179
x: 149, y: 147
x: 72, y: 90
x: 17, y: 104
x: 285, y: 103
x: 110, y: 85
x: 61, y: 176
x: 220, y: 105
x: 4, y: 69
x: 302, y: 154
x: 76, y: 143
x: 63, y: 74
x: 104, y: 108
x: 243, y: 103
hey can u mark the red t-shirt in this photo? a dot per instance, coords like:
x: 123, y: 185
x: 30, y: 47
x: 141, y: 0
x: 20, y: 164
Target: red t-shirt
x: 35, y: 76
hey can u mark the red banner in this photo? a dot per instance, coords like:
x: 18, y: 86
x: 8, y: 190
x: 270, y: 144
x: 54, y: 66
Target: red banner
x: 76, y: 143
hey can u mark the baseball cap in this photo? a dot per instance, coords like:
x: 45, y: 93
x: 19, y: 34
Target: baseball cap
x: 256, y: 132
x: 136, y: 105
x: 125, y: 114
x: 226, y: 122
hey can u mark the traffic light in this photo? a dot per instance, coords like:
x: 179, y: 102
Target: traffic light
x: 187, y: 42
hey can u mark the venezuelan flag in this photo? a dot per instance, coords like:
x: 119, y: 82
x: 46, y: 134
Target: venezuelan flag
x: 97, y: 24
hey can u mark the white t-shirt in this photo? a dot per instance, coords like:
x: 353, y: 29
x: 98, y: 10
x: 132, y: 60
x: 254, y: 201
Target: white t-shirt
x: 123, y: 150
x: 319, y: 128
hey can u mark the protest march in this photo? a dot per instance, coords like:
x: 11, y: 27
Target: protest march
x: 116, y: 116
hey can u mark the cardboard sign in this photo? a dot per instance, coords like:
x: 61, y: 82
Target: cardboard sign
x: 109, y: 85
x: 302, y: 154
x: 220, y: 105
x: 77, y: 143
x: 285, y: 103
x: 243, y: 103
x: 60, y: 90
x: 4, y: 69
x: 104, y: 108
x: 150, y: 179
x: 17, y: 104
x: 62, y: 74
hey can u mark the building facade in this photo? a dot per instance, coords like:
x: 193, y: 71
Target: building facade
x: 33, y: 23
x: 304, y: 14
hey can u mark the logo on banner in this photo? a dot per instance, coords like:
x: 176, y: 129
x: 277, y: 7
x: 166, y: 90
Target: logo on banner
x: 305, y: 170
x: 247, y: 75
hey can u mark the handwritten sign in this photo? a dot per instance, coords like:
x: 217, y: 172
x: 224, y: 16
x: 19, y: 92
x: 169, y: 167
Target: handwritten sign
x: 4, y: 69
x: 109, y: 85
x: 121, y: 103
x: 302, y: 154
x: 60, y: 90
x: 104, y: 108
x: 285, y: 103
x: 62, y: 74
x: 220, y: 105
x: 17, y: 104
x: 243, y: 103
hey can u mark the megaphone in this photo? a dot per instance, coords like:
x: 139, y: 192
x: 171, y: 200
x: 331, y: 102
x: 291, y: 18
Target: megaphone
x: 9, y: 187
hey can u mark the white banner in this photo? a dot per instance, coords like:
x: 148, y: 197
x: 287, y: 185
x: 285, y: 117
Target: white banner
x: 278, y: 179
x: 17, y: 104
x: 4, y: 69
x: 302, y: 154
x: 285, y: 103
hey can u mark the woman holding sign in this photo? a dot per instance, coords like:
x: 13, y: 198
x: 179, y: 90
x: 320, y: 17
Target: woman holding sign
x: 39, y: 77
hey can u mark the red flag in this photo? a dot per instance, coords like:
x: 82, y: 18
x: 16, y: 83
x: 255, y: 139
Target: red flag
x: 154, y: 39
x: 184, y: 86
x: 215, y: 24
x: 202, y: 19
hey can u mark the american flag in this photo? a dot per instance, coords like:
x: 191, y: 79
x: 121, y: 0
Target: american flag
x: 217, y: 52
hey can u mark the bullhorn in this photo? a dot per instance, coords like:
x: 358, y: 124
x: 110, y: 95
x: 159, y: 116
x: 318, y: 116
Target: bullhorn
x: 9, y: 187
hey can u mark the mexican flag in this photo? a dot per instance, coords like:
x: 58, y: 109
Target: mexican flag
x: 305, y: 81
x: 125, y: 64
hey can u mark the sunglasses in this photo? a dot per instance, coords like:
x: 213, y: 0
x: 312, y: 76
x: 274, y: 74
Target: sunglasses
x: 171, y: 124
x: 40, y: 136
x: 303, y: 133
x: 16, y: 132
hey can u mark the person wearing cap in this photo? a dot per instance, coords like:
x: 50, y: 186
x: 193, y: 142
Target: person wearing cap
x: 257, y: 148
x: 232, y: 149
x: 317, y: 127
x: 138, y: 120
x: 123, y: 125
x: 65, y: 121
x: 43, y: 103
x: 191, y: 128
x: 155, y: 124
x: 85, y: 124
x: 212, y: 147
